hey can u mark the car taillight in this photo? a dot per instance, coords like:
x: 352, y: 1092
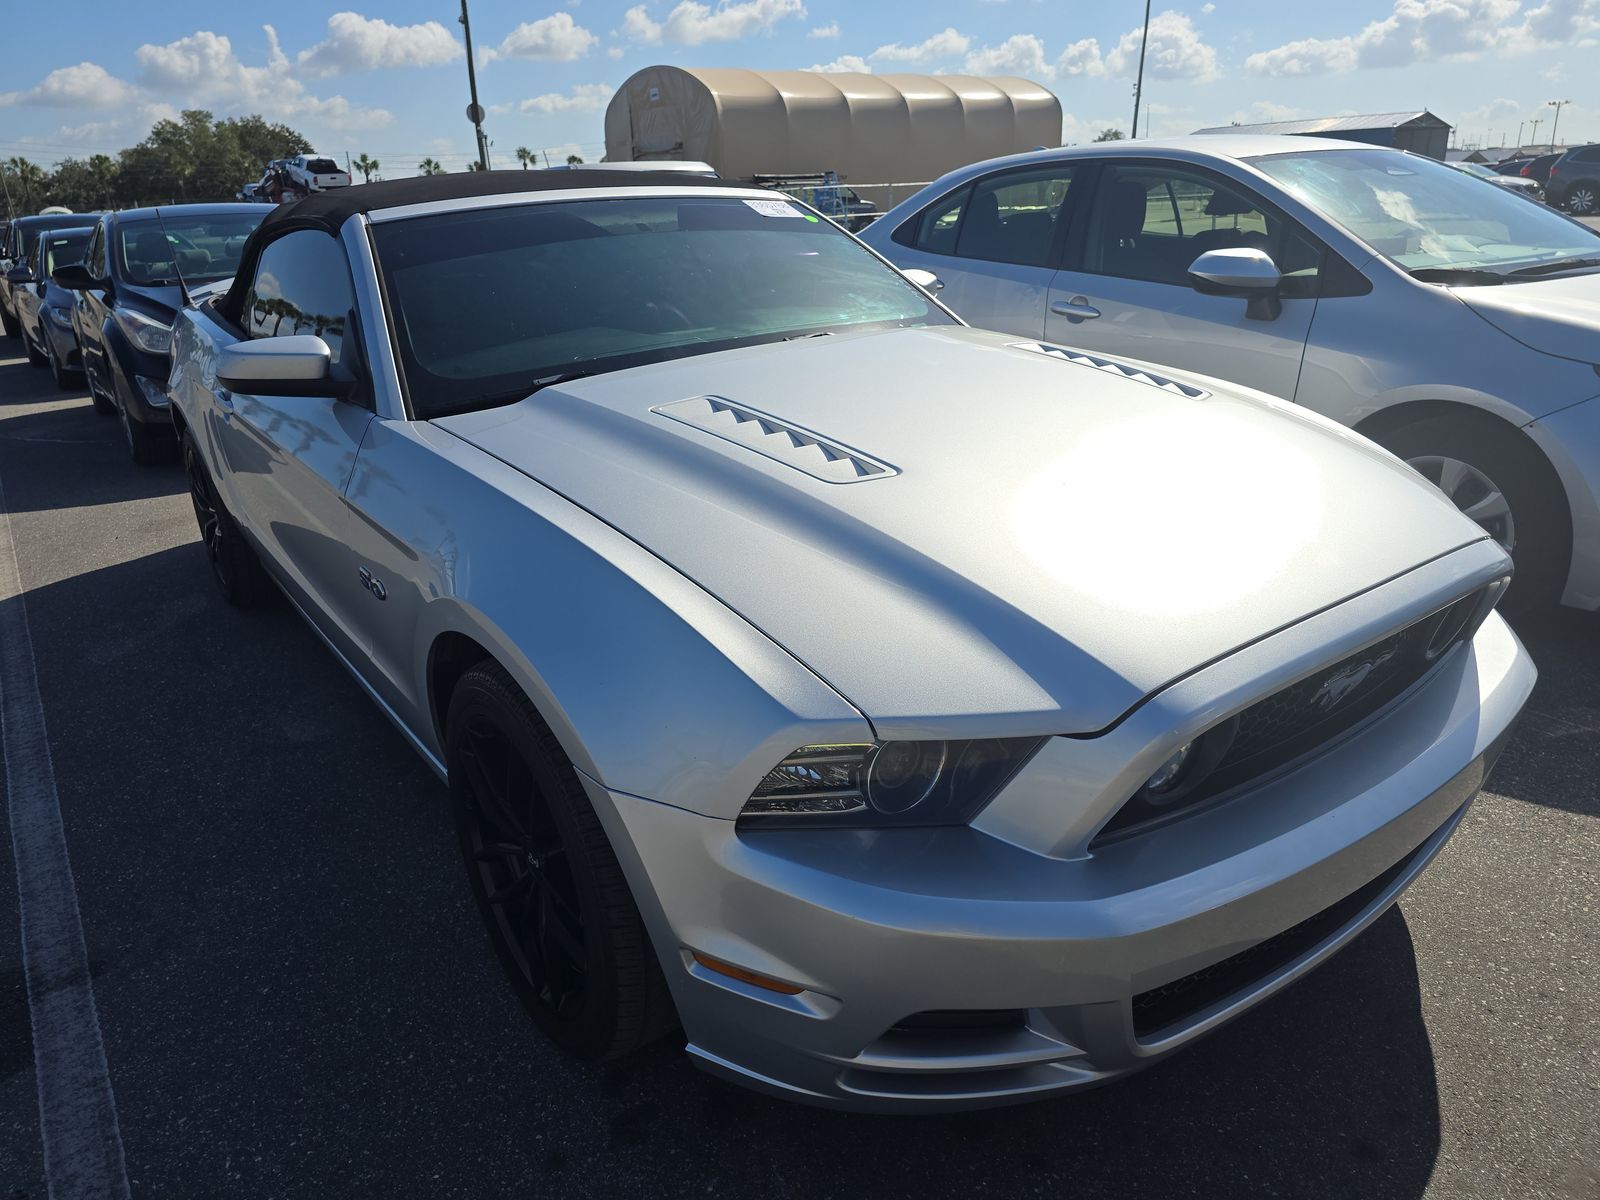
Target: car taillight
x: 1526, y: 171
x: 1554, y: 172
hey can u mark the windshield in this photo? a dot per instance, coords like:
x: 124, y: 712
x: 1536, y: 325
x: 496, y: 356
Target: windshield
x: 1425, y: 216
x: 486, y: 303
x: 202, y: 248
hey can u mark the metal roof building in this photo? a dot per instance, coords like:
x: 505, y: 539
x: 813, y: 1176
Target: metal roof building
x: 868, y: 128
x: 1417, y: 131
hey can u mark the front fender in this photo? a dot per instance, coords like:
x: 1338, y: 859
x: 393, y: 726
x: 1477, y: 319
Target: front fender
x: 652, y: 686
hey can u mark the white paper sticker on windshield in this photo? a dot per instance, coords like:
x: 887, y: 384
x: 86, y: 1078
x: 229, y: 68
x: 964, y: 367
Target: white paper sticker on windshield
x: 775, y: 208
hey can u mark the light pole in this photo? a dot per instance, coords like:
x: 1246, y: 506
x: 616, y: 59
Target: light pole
x: 1556, y: 123
x: 1520, y: 124
x: 1533, y: 138
x: 1138, y: 83
x: 474, y: 110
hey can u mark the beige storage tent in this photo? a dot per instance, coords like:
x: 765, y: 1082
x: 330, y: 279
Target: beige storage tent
x: 871, y: 129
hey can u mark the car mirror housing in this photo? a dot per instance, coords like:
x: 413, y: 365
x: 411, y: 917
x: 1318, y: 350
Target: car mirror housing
x: 18, y: 275
x: 926, y: 280
x: 1240, y: 271
x: 299, y: 364
x: 75, y: 277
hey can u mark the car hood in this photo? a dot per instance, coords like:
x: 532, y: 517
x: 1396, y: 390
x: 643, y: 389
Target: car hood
x: 966, y: 536
x: 1555, y: 316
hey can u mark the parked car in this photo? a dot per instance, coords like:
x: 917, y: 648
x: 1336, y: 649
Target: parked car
x: 1538, y: 169
x: 316, y: 173
x: 1575, y: 181
x: 129, y: 285
x: 1517, y: 184
x: 1511, y: 166
x: 44, y: 308
x: 18, y: 249
x: 1379, y: 288
x: 924, y: 717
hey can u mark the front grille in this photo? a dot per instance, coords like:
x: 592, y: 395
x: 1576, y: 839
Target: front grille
x: 1174, y: 1003
x: 1304, y: 718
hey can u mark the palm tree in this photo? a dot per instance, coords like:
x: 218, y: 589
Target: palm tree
x: 366, y: 166
x: 574, y: 160
x: 30, y: 178
x: 524, y: 156
x: 429, y: 167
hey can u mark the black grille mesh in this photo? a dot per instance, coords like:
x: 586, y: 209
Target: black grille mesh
x: 1306, y: 716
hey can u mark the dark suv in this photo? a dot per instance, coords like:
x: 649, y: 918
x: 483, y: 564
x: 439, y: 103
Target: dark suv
x: 130, y: 286
x: 1575, y: 181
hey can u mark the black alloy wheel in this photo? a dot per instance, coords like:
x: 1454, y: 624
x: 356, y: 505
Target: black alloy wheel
x: 548, y: 886
x: 233, y: 563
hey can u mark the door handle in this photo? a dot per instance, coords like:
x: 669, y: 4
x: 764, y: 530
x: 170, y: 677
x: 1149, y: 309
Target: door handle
x: 1076, y: 309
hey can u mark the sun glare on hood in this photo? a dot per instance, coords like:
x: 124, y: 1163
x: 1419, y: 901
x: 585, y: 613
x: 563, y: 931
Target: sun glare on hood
x: 1196, y: 507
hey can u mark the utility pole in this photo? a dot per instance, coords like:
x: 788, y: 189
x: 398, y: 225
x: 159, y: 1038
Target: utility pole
x: 1558, y: 105
x: 474, y: 110
x: 1138, y: 83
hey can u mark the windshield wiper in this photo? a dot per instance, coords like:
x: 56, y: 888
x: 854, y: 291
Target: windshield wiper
x: 1456, y: 275
x: 1560, y: 264
x: 523, y: 390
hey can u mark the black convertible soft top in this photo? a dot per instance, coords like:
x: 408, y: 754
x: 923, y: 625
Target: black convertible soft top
x: 329, y: 210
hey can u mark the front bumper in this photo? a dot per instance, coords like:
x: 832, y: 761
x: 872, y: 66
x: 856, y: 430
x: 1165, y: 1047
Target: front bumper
x: 1097, y: 954
x: 1570, y: 439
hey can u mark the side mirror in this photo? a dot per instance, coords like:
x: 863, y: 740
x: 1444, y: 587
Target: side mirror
x: 926, y: 280
x: 297, y: 365
x: 1241, y: 271
x: 19, y: 275
x: 75, y: 277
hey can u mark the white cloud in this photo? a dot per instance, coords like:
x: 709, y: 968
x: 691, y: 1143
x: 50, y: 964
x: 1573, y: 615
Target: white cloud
x: 945, y: 44
x: 692, y: 23
x: 357, y: 43
x: 1019, y: 54
x: 1424, y: 30
x: 87, y: 85
x: 203, y: 69
x: 556, y: 38
x: 1081, y: 58
x: 1207, y: 9
x: 1175, y: 51
x: 830, y: 30
x: 845, y: 62
x: 584, y: 97
x: 615, y: 52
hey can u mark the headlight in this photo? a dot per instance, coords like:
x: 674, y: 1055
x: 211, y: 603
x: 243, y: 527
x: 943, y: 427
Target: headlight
x: 60, y: 316
x: 887, y: 783
x: 147, y: 334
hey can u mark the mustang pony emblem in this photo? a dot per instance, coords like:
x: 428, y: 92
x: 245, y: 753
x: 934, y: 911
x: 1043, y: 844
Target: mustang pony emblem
x: 1336, y: 689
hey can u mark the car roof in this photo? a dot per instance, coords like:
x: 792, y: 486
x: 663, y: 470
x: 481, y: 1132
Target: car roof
x: 53, y: 220
x: 199, y: 210
x: 1237, y: 146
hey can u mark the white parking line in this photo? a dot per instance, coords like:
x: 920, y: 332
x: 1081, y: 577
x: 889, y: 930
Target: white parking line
x: 77, y: 1111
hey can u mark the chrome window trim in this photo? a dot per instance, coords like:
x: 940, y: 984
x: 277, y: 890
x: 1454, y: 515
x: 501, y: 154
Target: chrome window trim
x: 511, y: 199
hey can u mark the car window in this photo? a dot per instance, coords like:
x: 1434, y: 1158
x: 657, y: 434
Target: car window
x: 196, y: 247
x: 1009, y: 217
x: 1150, y: 222
x: 1589, y: 154
x: 58, y: 251
x: 94, y: 257
x: 484, y: 302
x: 302, y: 285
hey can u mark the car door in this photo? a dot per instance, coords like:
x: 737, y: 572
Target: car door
x: 284, y: 460
x: 91, y: 308
x: 1125, y: 289
x: 994, y: 243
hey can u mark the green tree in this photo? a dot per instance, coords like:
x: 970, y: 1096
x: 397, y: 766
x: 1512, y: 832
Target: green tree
x: 574, y: 160
x: 26, y: 181
x: 197, y: 157
x: 366, y: 166
x: 1110, y: 134
x: 524, y: 156
x: 84, y: 184
x: 428, y: 167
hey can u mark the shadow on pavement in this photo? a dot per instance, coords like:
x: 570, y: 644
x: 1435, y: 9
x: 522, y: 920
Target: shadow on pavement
x: 1555, y: 758
x: 298, y: 999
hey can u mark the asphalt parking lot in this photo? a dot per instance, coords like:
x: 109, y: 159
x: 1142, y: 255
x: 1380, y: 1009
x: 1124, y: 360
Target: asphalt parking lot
x: 296, y: 997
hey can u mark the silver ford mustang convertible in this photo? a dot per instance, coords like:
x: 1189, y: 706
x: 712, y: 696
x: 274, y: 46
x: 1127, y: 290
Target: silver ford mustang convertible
x: 918, y: 717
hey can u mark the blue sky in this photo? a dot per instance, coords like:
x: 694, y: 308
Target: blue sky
x: 389, y: 78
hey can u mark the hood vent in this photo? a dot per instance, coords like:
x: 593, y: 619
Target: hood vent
x: 1126, y: 370
x: 776, y: 439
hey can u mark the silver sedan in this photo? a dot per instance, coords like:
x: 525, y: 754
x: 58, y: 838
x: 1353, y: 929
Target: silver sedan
x: 918, y: 717
x: 1448, y: 321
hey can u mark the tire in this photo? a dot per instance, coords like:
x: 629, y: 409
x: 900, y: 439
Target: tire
x: 552, y: 896
x: 145, y: 446
x: 1583, y: 198
x: 36, y: 356
x: 103, y: 404
x: 66, y: 380
x: 1540, y: 525
x: 234, y: 565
